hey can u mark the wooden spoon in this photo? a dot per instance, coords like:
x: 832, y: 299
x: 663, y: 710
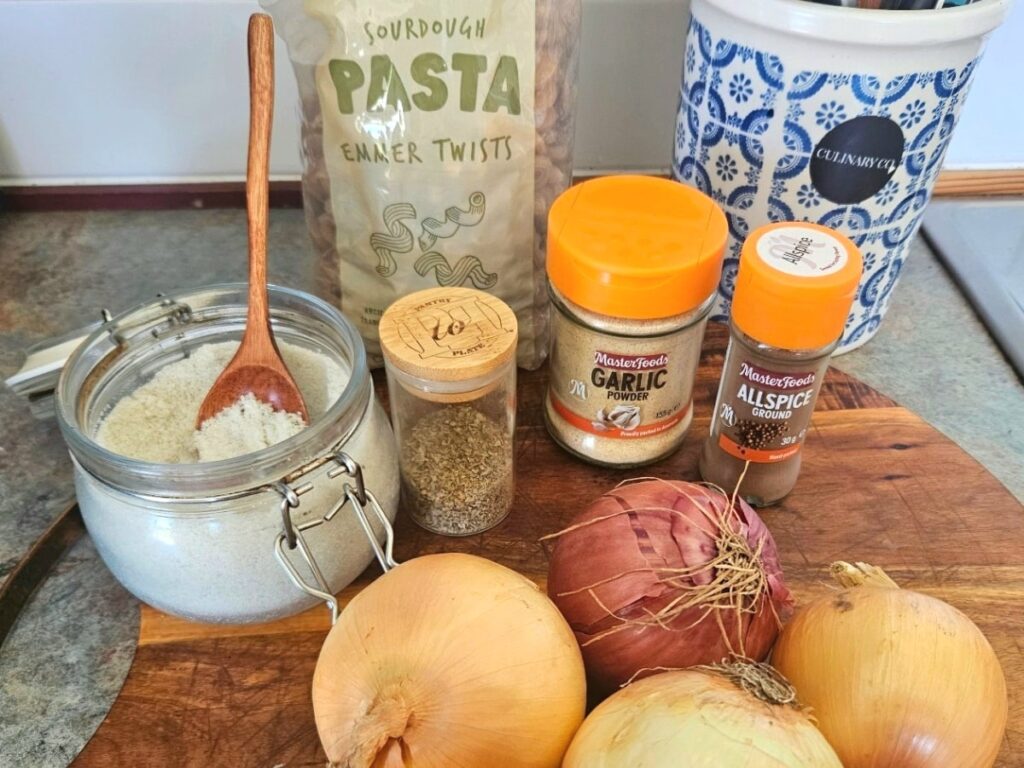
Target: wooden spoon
x: 257, y: 367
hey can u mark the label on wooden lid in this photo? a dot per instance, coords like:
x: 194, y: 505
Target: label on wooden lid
x: 448, y: 334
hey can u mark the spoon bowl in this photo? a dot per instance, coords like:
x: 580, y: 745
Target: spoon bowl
x: 274, y: 387
x: 257, y: 367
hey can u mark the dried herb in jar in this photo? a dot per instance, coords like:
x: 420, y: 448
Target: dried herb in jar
x: 450, y: 358
x: 457, y: 473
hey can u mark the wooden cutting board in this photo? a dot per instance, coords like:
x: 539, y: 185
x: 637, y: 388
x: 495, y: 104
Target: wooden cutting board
x: 878, y: 484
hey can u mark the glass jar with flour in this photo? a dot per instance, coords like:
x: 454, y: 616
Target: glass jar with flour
x: 252, y: 521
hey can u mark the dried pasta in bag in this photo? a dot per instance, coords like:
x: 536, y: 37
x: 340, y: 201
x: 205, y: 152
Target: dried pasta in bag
x: 435, y: 136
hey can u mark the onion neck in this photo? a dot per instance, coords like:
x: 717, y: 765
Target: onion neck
x: 762, y: 681
x: 861, y: 575
x: 377, y: 735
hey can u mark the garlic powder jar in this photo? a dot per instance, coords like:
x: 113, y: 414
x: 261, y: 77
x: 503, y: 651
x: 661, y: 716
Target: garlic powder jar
x: 633, y: 265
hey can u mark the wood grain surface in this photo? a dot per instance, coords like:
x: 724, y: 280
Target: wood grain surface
x: 878, y: 484
x: 1003, y: 181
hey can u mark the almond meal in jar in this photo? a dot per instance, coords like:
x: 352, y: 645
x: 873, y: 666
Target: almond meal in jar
x: 231, y: 523
x: 633, y: 265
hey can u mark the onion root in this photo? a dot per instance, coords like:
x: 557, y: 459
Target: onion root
x: 760, y: 680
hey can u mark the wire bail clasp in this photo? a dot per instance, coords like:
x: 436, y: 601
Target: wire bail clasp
x: 291, y: 536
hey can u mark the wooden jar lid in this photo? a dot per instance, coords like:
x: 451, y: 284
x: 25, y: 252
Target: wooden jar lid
x: 448, y: 334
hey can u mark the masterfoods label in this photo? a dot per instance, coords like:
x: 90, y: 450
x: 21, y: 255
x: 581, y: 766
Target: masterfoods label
x: 619, y: 389
x: 764, y: 414
x: 429, y: 145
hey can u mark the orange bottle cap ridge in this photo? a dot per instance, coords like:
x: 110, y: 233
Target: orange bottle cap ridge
x: 795, y: 285
x: 636, y: 247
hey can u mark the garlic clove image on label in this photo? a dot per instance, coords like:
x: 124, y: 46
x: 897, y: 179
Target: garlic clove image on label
x: 624, y: 417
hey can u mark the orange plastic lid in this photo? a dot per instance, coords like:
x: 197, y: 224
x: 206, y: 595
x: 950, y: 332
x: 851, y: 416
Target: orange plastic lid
x: 795, y: 285
x: 636, y: 247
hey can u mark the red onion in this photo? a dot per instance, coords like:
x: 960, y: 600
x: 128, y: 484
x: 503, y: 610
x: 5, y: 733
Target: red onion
x: 667, y: 575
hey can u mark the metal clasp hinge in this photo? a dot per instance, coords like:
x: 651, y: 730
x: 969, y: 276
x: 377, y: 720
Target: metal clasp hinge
x: 175, y: 312
x: 291, y: 536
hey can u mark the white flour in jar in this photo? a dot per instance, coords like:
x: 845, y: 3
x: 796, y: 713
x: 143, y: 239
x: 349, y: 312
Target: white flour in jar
x: 246, y: 426
x: 156, y: 422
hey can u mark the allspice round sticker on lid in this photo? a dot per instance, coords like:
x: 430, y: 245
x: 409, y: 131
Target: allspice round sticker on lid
x: 802, y: 251
x: 448, y: 334
x: 795, y: 285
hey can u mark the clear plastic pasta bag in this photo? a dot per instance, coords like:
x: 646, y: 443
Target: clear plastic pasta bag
x: 435, y: 136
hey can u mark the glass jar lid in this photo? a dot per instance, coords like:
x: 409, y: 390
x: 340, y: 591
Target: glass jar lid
x: 458, y: 337
x: 796, y: 283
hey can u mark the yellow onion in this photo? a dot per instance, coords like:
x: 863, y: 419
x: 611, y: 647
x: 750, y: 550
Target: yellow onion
x: 896, y: 679
x: 740, y: 716
x: 449, y: 660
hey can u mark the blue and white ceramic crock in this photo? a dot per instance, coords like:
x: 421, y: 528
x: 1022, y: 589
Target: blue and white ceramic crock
x: 791, y: 110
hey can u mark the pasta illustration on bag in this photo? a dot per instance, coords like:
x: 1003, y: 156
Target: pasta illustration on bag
x: 435, y: 136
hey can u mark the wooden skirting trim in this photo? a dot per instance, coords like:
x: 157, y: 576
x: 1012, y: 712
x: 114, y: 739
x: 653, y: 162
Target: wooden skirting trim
x: 288, y: 194
x: 977, y: 183
x: 142, y: 197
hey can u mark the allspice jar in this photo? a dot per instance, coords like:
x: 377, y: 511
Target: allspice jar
x: 633, y: 265
x: 451, y: 368
x: 794, y: 289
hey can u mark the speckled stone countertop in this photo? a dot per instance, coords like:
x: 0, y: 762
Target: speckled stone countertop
x: 67, y: 657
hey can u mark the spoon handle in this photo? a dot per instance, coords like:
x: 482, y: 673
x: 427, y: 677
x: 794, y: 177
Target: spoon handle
x: 261, y: 111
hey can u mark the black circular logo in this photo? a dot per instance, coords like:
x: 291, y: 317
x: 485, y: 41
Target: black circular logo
x: 856, y: 158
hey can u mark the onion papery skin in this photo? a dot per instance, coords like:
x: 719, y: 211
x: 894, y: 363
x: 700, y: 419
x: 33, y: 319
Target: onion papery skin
x: 449, y: 660
x: 696, y: 719
x: 896, y: 679
x: 664, y: 528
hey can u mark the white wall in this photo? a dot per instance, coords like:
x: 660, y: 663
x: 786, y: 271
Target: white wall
x: 990, y: 133
x: 137, y: 91
x: 107, y: 91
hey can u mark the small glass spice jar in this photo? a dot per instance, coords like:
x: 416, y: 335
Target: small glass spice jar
x: 633, y: 264
x: 794, y: 289
x: 450, y: 360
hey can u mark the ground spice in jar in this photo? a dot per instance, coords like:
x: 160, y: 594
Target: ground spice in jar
x: 633, y: 264
x: 457, y: 473
x: 794, y: 289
